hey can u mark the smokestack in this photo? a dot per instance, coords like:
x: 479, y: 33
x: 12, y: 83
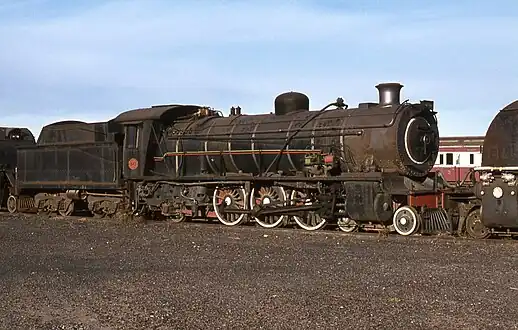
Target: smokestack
x: 389, y: 94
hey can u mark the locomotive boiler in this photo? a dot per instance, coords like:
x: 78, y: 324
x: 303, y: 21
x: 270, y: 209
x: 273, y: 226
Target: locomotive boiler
x: 386, y: 136
x: 497, y: 187
x: 352, y: 165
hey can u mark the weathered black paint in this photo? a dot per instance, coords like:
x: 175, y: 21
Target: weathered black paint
x: 501, y: 141
x: 72, y: 155
x: 373, y: 139
x: 500, y: 170
x: 11, y: 138
x: 500, y: 212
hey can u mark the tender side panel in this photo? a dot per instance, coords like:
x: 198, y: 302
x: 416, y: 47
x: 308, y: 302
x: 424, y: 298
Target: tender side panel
x: 92, y: 166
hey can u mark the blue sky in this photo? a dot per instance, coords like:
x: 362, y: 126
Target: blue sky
x: 90, y: 60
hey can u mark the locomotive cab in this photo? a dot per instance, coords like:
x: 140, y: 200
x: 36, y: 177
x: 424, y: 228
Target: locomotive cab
x: 142, y: 131
x: 133, y: 138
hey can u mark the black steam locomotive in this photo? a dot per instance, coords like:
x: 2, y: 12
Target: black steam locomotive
x: 10, y: 139
x: 350, y: 166
x: 497, y: 187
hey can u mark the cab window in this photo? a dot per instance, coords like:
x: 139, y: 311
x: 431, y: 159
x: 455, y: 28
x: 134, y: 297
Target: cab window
x: 132, y: 135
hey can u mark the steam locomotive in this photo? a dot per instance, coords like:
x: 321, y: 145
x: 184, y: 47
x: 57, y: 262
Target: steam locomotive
x: 497, y: 187
x: 10, y: 139
x: 354, y: 167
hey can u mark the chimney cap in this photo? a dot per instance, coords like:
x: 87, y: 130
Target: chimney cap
x: 389, y: 84
x: 389, y: 93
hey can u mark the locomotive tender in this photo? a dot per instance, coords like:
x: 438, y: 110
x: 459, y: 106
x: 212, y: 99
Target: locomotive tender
x: 497, y: 187
x: 351, y: 166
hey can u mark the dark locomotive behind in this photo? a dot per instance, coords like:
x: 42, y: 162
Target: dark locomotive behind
x: 10, y: 139
x: 497, y: 188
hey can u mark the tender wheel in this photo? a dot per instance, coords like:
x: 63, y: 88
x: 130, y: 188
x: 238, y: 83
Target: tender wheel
x: 311, y: 220
x: 345, y: 223
x: 474, y: 226
x: 406, y: 220
x: 68, y: 210
x: 43, y: 212
x: 231, y: 198
x: 98, y: 214
x: 273, y: 197
x: 12, y: 204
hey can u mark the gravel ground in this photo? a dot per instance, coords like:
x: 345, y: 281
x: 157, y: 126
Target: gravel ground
x: 92, y: 274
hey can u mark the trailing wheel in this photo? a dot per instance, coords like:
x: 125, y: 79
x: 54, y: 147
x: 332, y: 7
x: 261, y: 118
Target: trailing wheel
x: 311, y: 220
x: 406, y: 220
x: 12, y: 204
x: 98, y: 214
x: 229, y: 198
x: 347, y: 225
x: 474, y: 226
x: 272, y: 197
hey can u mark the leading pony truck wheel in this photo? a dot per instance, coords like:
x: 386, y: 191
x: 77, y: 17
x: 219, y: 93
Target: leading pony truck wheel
x: 406, y: 220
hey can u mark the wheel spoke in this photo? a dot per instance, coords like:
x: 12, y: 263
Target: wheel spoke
x: 12, y: 204
x: 310, y: 220
x: 268, y: 197
x: 475, y: 228
x: 230, y: 198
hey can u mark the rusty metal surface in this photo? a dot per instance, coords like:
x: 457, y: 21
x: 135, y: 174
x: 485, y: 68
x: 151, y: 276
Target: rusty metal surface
x: 70, y: 155
x: 74, y: 132
x: 21, y: 134
x: 12, y: 138
x: 497, y: 189
x: 366, y: 139
x: 499, y: 212
x: 289, y: 102
x: 159, y: 112
x: 501, y: 141
x: 71, y: 166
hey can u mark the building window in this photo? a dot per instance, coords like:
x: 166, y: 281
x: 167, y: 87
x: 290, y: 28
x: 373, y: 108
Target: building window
x: 441, y: 159
x: 471, y: 159
x: 449, y: 158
